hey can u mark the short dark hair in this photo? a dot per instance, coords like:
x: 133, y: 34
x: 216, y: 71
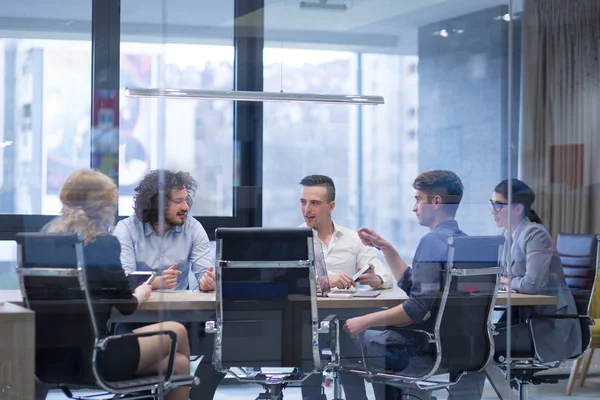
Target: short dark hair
x: 145, y: 200
x: 445, y: 184
x: 321, y: 180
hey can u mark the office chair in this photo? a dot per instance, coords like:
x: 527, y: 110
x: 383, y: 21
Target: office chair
x: 461, y: 336
x: 57, y: 286
x: 265, y: 282
x: 579, y: 256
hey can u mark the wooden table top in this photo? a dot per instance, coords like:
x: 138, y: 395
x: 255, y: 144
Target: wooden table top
x: 186, y: 300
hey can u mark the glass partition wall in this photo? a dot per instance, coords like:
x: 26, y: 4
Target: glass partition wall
x: 491, y: 90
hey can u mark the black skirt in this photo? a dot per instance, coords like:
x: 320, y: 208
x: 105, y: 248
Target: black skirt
x: 120, y: 360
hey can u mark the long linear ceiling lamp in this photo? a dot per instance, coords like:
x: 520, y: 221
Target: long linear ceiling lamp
x: 323, y: 5
x: 239, y: 95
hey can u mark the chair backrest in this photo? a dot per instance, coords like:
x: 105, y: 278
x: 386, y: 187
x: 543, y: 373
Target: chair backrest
x: 579, y: 257
x: 465, y: 327
x: 50, y: 268
x: 270, y: 272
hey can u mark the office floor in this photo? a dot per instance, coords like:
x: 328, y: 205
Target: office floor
x: 591, y: 390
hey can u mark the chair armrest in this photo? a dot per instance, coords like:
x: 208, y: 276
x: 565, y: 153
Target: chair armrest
x: 327, y: 323
x: 172, y: 350
x: 210, y: 326
x: 331, y: 325
x: 590, y: 320
x: 400, y: 329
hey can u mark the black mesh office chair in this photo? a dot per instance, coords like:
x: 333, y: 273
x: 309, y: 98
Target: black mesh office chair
x: 62, y: 292
x: 460, y: 340
x: 265, y: 279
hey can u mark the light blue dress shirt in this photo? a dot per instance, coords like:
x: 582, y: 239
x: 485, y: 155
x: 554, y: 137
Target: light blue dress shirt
x: 143, y: 249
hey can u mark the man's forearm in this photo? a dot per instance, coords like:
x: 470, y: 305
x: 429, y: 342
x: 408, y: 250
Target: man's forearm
x: 157, y: 283
x: 394, y: 261
x: 392, y: 316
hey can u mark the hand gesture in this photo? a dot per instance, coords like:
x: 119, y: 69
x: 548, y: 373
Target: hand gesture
x: 169, y: 276
x: 207, y: 281
x: 371, y: 238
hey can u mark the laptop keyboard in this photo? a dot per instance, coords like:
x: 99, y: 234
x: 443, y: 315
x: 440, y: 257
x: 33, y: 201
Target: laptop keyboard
x: 343, y: 291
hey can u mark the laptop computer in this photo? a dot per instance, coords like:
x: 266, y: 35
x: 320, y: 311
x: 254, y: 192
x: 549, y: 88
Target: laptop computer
x: 323, y: 288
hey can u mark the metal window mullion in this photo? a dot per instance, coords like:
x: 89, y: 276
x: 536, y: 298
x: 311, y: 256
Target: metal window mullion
x: 248, y: 41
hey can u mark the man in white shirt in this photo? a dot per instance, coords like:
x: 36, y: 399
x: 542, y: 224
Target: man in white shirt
x: 345, y: 254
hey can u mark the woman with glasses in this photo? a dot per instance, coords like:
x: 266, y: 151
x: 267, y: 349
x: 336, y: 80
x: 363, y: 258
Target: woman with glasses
x: 534, y: 267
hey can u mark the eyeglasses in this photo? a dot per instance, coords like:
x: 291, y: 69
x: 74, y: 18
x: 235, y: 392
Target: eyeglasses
x: 497, y: 205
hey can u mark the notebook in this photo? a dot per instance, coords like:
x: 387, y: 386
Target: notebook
x: 323, y: 288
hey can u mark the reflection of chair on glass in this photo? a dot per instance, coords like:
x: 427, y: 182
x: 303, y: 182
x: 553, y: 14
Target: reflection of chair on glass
x: 579, y: 257
x: 578, y: 254
x: 265, y: 278
x: 63, y: 292
x: 460, y: 339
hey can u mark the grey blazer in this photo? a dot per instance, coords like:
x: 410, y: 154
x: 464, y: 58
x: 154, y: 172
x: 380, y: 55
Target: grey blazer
x: 537, y: 269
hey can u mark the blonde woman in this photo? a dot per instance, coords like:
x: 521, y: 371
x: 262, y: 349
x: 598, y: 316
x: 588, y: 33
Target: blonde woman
x: 89, y: 200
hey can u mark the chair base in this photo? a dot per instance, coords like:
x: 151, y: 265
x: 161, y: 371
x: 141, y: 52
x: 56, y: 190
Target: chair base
x: 521, y: 386
x: 522, y: 378
x: 272, y: 391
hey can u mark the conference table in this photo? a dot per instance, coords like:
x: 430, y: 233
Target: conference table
x: 184, y: 300
x: 188, y: 306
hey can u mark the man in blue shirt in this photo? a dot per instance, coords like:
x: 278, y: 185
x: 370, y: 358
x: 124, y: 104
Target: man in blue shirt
x: 173, y: 246
x: 438, y: 194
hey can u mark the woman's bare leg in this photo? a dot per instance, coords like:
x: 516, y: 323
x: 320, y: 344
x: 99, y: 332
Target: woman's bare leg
x: 154, y: 354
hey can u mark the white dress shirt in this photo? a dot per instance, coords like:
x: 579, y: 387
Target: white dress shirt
x: 346, y: 253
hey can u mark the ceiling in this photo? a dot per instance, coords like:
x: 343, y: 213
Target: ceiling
x: 382, y: 25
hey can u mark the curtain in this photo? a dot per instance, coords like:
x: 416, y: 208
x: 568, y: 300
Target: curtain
x: 559, y: 147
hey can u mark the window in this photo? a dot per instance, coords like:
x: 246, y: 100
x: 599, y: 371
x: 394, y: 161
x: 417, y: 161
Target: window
x: 303, y: 139
x: 187, y: 135
x: 45, y: 112
x: 414, y: 131
x: 8, y: 262
x: 298, y: 144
